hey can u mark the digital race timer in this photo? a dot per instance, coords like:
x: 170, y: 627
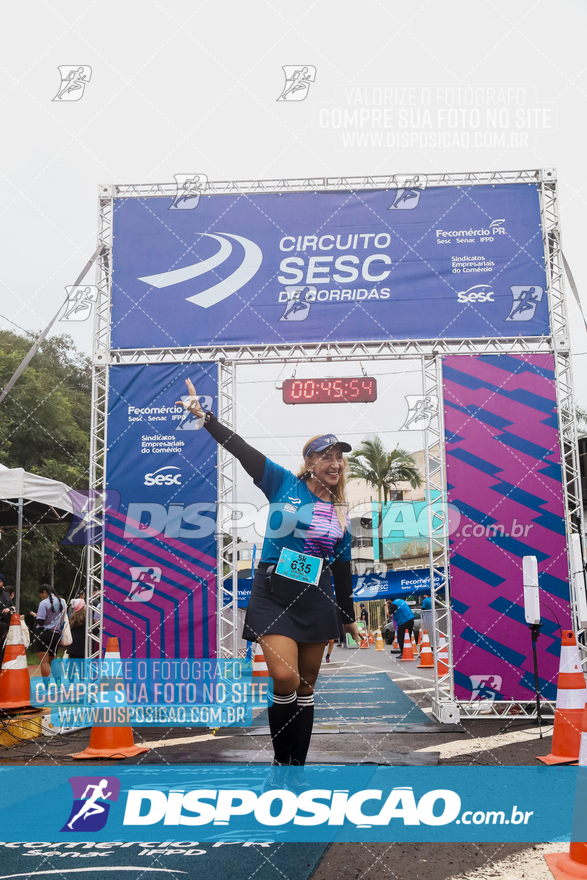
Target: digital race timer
x: 362, y: 390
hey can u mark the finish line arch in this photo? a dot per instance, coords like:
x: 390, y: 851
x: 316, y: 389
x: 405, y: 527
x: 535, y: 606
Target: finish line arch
x: 499, y: 390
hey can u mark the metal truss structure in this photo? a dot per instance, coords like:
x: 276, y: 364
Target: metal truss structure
x: 227, y: 596
x: 564, y: 385
x: 444, y: 706
x: 99, y: 428
x: 428, y: 351
x: 330, y: 184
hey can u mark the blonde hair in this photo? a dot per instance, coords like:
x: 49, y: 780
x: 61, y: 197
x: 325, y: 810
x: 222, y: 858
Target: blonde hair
x: 337, y: 492
x: 78, y: 617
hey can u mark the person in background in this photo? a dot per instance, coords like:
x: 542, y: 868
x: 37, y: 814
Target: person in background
x: 77, y: 624
x: 6, y: 607
x: 364, y: 616
x: 48, y: 626
x: 5, y: 601
x: 404, y: 620
x: 329, y: 648
x: 72, y: 603
x: 427, y: 614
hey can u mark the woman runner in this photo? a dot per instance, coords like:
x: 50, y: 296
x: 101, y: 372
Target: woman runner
x: 49, y: 616
x: 289, y: 617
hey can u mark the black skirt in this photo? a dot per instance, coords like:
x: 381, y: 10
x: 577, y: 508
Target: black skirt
x: 285, y: 607
x: 47, y: 640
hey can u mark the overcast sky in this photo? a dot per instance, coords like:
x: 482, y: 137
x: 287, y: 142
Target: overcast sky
x: 181, y: 87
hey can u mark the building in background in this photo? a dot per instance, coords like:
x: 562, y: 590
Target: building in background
x: 397, y: 554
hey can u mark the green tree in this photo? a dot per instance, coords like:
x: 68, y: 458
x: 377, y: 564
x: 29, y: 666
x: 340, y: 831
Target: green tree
x: 45, y: 429
x: 581, y: 417
x: 383, y: 470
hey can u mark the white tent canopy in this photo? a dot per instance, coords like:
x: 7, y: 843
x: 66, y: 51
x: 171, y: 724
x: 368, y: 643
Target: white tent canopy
x: 29, y: 500
x: 42, y: 492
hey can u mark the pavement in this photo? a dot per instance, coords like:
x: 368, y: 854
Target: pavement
x: 481, y: 741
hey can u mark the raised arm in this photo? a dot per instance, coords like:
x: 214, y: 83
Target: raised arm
x: 343, y: 588
x: 251, y: 459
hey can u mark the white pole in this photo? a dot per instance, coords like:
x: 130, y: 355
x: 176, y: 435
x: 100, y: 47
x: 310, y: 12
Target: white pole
x: 18, y: 558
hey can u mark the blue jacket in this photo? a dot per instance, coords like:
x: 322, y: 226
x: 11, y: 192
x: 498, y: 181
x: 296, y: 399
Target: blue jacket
x: 403, y: 612
x: 426, y: 604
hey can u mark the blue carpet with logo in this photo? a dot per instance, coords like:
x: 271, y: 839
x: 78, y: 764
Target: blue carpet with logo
x: 342, y: 699
x: 138, y: 861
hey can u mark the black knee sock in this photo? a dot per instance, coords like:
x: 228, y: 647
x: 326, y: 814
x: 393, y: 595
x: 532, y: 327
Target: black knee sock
x: 303, y: 729
x: 283, y: 725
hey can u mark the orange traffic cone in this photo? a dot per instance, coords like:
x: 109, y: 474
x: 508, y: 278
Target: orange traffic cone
x: 395, y: 646
x: 426, y: 658
x: 371, y: 639
x: 442, y: 660
x: 570, y: 702
x: 15, y: 683
x: 408, y: 653
x: 112, y: 651
x: 379, y: 646
x: 414, y: 645
x: 111, y: 742
x: 259, y: 664
x: 364, y: 641
x: 574, y: 863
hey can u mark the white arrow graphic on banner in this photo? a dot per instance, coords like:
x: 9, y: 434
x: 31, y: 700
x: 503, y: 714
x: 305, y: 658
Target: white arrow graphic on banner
x: 253, y: 258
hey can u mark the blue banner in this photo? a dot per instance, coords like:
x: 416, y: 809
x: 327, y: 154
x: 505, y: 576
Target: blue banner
x: 363, y: 803
x: 160, y: 562
x: 448, y: 262
x: 392, y: 585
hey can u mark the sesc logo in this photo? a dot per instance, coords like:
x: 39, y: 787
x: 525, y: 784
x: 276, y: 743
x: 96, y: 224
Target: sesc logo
x: 370, y: 585
x: 251, y: 259
x: 479, y: 293
x: 159, y: 479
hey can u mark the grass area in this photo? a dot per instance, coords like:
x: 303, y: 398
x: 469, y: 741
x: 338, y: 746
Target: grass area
x: 32, y: 658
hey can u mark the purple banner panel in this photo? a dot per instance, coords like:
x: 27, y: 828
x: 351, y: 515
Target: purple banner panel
x: 160, y: 562
x: 504, y: 474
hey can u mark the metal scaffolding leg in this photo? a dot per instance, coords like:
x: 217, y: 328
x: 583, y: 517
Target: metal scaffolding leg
x: 227, y: 564
x: 444, y: 707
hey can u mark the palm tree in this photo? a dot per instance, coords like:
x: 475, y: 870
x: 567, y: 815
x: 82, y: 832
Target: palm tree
x: 381, y: 469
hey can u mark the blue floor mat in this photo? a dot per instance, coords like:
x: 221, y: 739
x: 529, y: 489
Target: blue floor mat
x: 139, y: 861
x: 355, y: 698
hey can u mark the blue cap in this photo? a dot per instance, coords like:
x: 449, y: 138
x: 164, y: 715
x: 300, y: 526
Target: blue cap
x: 323, y: 442
x: 1, y: 577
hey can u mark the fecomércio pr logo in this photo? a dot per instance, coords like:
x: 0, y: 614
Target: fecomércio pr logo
x: 91, y: 802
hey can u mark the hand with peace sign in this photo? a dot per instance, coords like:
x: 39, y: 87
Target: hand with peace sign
x: 192, y: 403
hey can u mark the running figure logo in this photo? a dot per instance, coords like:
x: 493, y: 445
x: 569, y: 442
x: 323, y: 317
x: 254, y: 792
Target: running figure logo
x: 90, y: 509
x: 189, y: 187
x: 90, y: 802
x: 405, y: 199
x: 421, y: 410
x: 408, y: 192
x: 190, y: 422
x: 79, y: 302
x: 298, y: 302
x: 485, y: 687
x: 525, y: 300
x: 144, y: 581
x: 74, y: 79
x: 297, y: 82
